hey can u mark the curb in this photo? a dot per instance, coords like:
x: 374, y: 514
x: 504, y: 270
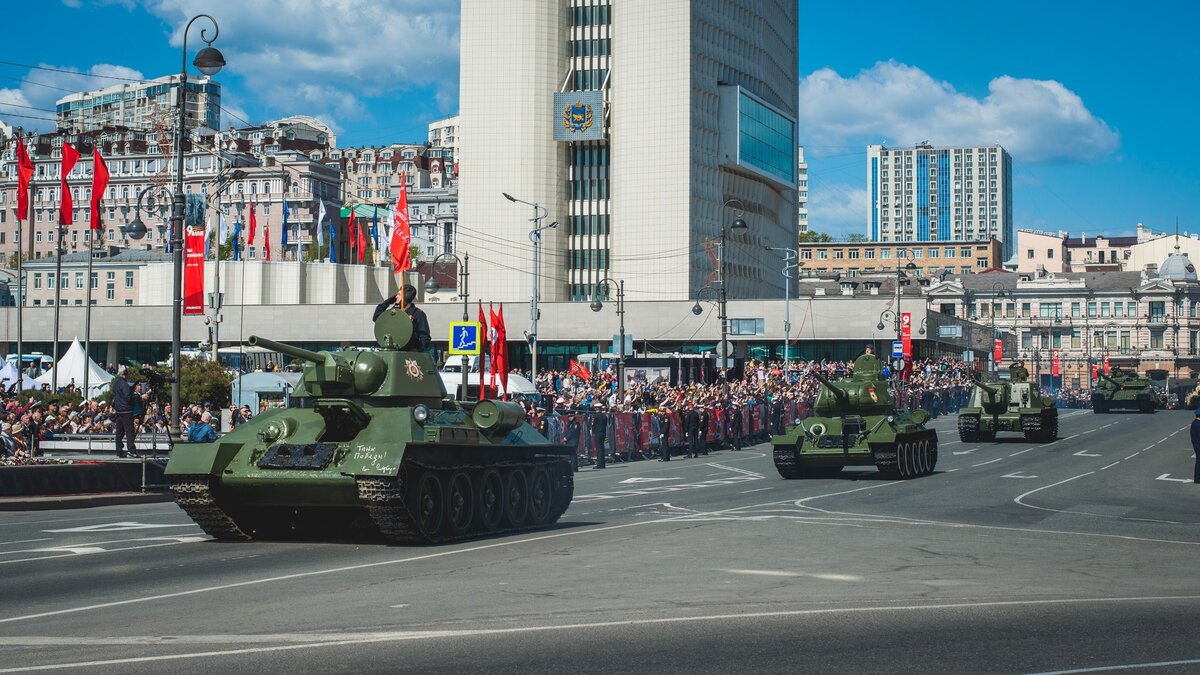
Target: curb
x: 82, y: 501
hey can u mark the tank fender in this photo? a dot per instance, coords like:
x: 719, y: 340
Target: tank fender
x: 971, y: 411
x: 202, y: 458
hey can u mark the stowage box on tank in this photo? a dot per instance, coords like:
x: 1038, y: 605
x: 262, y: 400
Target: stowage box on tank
x: 378, y: 446
x: 1123, y: 390
x: 1008, y: 406
x: 854, y: 423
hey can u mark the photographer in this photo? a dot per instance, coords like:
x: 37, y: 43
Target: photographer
x: 122, y: 403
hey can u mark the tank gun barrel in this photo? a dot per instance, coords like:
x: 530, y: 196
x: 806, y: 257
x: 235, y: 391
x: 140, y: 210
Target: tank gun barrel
x: 282, y: 348
x: 1106, y: 376
x: 838, y: 392
x: 991, y: 390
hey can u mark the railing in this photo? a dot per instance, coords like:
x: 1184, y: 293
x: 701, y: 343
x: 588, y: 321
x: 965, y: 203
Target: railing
x: 149, y: 443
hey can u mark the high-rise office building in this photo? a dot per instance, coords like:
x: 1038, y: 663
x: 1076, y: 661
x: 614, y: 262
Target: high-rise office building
x: 146, y: 106
x: 640, y: 128
x: 802, y: 192
x: 926, y: 193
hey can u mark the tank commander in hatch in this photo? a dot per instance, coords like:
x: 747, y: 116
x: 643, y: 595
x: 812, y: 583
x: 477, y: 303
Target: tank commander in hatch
x: 420, y: 338
x: 1017, y: 372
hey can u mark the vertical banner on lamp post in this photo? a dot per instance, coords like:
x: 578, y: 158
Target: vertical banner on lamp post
x: 193, y: 271
x: 998, y: 350
x: 906, y: 332
x: 1106, y: 364
x: 1054, y: 363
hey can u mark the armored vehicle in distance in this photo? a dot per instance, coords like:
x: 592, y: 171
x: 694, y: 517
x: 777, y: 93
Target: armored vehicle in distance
x: 854, y: 422
x: 378, y: 447
x: 1008, y: 406
x: 1123, y: 390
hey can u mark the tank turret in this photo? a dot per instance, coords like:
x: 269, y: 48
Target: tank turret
x: 1123, y: 389
x: 864, y: 393
x: 375, y: 445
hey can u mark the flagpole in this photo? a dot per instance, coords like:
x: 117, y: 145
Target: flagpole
x: 216, y: 301
x: 21, y: 284
x: 87, y: 315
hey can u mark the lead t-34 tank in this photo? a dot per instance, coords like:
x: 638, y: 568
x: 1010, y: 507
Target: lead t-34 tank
x: 856, y: 423
x: 378, y: 447
x: 1008, y: 406
x: 1123, y: 390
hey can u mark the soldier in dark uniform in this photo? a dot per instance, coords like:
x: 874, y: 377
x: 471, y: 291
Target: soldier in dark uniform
x: 664, y: 434
x: 691, y: 427
x: 735, y: 425
x: 599, y: 433
x: 1195, y: 433
x: 1017, y: 372
x: 702, y: 431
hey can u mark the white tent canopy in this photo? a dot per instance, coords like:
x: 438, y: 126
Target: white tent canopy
x: 8, y: 375
x: 72, y: 366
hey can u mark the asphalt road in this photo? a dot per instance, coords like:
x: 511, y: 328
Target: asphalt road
x: 1012, y: 557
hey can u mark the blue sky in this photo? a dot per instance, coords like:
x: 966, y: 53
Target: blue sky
x: 1091, y: 98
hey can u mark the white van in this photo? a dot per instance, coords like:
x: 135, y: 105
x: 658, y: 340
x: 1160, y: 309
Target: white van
x: 451, y: 374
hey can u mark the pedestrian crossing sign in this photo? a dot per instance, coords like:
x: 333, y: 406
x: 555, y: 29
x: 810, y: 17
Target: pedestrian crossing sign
x: 464, y: 338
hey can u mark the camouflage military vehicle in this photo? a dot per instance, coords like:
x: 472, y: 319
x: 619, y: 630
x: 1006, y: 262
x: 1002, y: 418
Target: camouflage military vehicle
x: 1007, y: 406
x: 854, y: 423
x: 377, y: 447
x: 1123, y: 390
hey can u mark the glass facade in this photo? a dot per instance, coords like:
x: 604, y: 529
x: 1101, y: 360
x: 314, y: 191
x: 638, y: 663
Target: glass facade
x: 766, y: 139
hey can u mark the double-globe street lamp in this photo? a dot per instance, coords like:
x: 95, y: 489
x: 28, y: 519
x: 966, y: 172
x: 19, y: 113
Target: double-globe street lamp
x: 464, y: 274
x: 535, y: 237
x: 739, y: 224
x: 998, y: 291
x: 895, y: 314
x: 597, y: 304
x: 789, y: 260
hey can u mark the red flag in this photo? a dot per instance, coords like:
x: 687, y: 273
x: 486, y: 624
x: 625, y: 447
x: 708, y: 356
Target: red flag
x: 576, y: 368
x: 99, y: 185
x: 66, y: 211
x: 998, y: 350
x: 267, y: 239
x: 401, y: 234
x: 353, y: 236
x: 1095, y: 371
x: 1054, y: 363
x: 493, y: 347
x: 362, y: 243
x: 502, y: 349
x: 25, y: 174
x: 1106, y: 364
x: 483, y: 349
x: 253, y: 226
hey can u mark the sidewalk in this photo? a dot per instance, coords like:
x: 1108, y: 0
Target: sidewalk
x: 89, y: 479
x: 81, y: 501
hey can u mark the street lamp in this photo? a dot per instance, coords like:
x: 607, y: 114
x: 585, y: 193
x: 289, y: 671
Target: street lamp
x: 208, y: 61
x: 535, y: 236
x: 431, y: 286
x: 789, y: 257
x: 597, y: 304
x: 738, y: 224
x: 901, y: 272
x: 997, y: 292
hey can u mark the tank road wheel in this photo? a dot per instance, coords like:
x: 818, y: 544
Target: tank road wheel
x: 428, y: 505
x: 489, y: 506
x: 541, y: 495
x: 968, y: 428
x: 460, y: 503
x: 922, y: 456
x: 933, y: 454
x: 516, y: 498
x: 563, y: 481
x: 902, y: 460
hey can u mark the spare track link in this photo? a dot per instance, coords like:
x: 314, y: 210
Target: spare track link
x: 968, y: 428
x: 384, y: 499
x: 786, y: 463
x: 193, y: 494
x: 1031, y: 426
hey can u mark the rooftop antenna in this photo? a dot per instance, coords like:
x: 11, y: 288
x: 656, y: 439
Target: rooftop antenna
x: 1176, y: 235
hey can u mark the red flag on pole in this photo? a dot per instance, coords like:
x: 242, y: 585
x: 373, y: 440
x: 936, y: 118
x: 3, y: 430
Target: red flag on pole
x: 997, y: 350
x: 66, y: 211
x: 99, y: 185
x: 352, y: 236
x: 193, y: 278
x: 1054, y: 363
x: 1106, y: 364
x: 362, y: 243
x: 483, y: 350
x: 578, y: 370
x: 402, y: 235
x: 253, y: 226
x: 267, y: 239
x: 502, y: 350
x: 493, y: 347
x: 24, y: 174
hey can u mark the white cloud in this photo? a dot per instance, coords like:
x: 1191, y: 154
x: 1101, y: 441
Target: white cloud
x: 41, y: 88
x: 837, y: 209
x: 1038, y: 121
x: 322, y: 57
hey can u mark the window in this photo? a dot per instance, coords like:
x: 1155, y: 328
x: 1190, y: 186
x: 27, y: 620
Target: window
x: 747, y: 327
x: 839, y: 254
x: 1049, y: 252
x: 129, y: 279
x: 853, y: 254
x: 1050, y: 309
x: 1156, y: 338
x: 1158, y: 312
x: 1029, y: 254
x: 1025, y: 309
x: 1131, y: 309
x: 79, y: 280
x: 1026, y: 340
x: 1076, y: 340
x: 109, y: 293
x: 949, y: 252
x: 37, y: 279
x: 822, y: 254
x: 1092, y: 308
x: 1075, y: 310
x: 870, y: 254
x: 964, y: 253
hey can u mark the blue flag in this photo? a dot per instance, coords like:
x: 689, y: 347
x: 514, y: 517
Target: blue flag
x: 375, y: 229
x: 237, y: 235
x: 283, y: 240
x: 332, y: 241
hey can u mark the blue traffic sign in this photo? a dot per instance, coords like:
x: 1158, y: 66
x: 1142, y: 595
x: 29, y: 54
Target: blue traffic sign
x: 897, y: 349
x: 464, y: 337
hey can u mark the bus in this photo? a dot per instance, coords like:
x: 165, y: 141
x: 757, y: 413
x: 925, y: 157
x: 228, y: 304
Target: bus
x: 245, y: 359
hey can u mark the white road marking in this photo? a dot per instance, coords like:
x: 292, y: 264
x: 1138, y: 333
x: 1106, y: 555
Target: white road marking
x: 23, y: 541
x: 116, y: 527
x: 991, y: 461
x: 963, y: 452
x: 1176, y: 480
x: 346, y: 639
x: 811, y: 575
x: 1110, y: 465
x: 746, y: 492
x: 1121, y: 666
x: 1016, y: 474
x: 1085, y: 453
x: 1021, y: 452
x: 647, y: 480
x: 98, y: 547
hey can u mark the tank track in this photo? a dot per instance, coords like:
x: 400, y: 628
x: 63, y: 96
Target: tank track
x: 915, y: 455
x: 785, y: 462
x: 1039, y: 428
x: 968, y: 428
x: 193, y: 494
x: 384, y: 499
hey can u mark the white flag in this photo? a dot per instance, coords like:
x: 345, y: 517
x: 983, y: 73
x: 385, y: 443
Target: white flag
x: 386, y: 243
x: 222, y: 228
x: 320, y: 221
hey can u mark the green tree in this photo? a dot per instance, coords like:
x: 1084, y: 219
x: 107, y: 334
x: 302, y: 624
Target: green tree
x: 812, y: 236
x: 203, y: 380
x: 12, y: 261
x: 856, y: 237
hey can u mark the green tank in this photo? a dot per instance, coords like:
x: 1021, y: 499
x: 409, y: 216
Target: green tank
x: 376, y: 447
x: 855, y: 423
x: 1007, y: 406
x: 1123, y: 390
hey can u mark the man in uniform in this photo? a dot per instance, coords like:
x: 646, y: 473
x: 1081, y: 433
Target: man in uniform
x: 420, y: 337
x: 691, y: 427
x: 735, y: 424
x: 1196, y: 445
x: 599, y: 424
x: 122, y: 403
x: 1017, y: 372
x: 664, y: 433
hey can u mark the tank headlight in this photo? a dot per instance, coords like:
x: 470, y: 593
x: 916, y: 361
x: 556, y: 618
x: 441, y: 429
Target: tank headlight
x: 891, y: 419
x: 420, y: 413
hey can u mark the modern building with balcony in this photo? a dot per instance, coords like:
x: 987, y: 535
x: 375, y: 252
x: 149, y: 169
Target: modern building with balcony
x: 931, y: 258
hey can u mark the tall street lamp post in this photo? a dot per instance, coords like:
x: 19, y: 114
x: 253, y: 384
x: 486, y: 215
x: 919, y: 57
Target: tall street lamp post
x: 789, y: 258
x: 739, y: 224
x: 208, y: 61
x: 895, y: 311
x: 464, y: 274
x: 535, y: 237
x: 597, y: 304
x: 997, y: 292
